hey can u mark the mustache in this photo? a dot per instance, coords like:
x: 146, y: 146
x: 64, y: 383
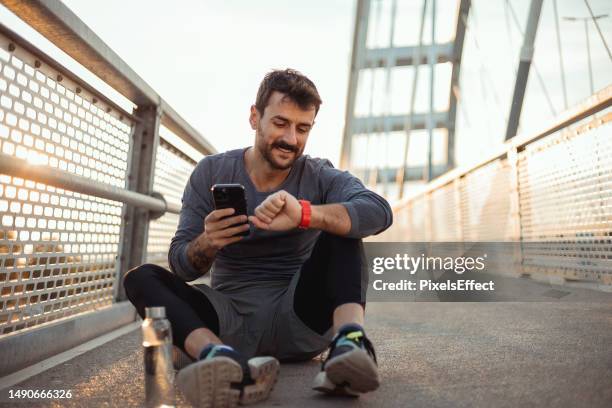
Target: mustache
x: 285, y: 146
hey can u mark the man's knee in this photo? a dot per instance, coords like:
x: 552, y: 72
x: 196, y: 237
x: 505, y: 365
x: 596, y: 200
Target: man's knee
x: 137, y: 277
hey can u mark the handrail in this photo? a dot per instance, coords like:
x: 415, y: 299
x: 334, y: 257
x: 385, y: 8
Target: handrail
x: 54, y: 64
x: 34, y: 79
x: 17, y: 167
x: 67, y: 31
x: 593, y: 104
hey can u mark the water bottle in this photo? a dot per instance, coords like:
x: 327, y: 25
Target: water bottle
x: 157, y: 346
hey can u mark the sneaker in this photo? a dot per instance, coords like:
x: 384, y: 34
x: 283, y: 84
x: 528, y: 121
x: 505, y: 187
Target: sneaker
x: 350, y: 367
x: 225, y: 378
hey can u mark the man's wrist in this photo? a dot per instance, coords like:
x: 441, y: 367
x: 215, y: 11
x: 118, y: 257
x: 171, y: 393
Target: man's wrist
x: 198, y: 255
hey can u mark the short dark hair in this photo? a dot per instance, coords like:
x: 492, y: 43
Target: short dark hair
x: 295, y: 86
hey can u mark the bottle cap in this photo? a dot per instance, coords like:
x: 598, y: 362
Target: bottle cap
x: 156, y: 312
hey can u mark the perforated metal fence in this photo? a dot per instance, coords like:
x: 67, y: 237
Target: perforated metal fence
x: 58, y: 248
x: 444, y: 215
x: 552, y: 191
x: 485, y: 203
x: 566, y: 202
x: 172, y: 171
x: 91, y: 181
x: 62, y: 252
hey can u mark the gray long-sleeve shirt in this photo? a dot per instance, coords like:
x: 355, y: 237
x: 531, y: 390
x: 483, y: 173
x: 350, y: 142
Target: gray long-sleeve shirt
x: 269, y: 256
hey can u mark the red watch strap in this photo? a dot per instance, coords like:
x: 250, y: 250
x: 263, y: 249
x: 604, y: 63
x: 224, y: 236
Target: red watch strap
x: 306, y: 213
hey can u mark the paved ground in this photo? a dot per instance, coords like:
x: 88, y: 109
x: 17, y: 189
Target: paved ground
x: 556, y: 353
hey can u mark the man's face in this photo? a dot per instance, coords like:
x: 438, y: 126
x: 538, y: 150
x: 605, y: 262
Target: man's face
x: 282, y: 131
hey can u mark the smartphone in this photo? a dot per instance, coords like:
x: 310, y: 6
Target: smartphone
x: 231, y: 196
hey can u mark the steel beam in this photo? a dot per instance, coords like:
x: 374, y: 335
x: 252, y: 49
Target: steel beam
x: 375, y: 124
x: 360, y: 32
x: 522, y: 74
x: 135, y: 231
x: 411, y: 173
x: 391, y: 56
x: 460, y: 24
x: 430, y: 122
x: 400, y: 179
x: 408, y: 56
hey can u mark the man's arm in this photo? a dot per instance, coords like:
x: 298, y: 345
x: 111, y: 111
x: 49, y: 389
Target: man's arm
x: 196, y: 255
x: 189, y: 228
x: 352, y: 209
x: 332, y: 218
x: 281, y: 211
x: 196, y: 206
x: 202, y: 230
x: 369, y: 213
x: 218, y: 232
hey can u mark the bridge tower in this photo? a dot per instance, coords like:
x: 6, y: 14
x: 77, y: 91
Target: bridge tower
x: 378, y: 123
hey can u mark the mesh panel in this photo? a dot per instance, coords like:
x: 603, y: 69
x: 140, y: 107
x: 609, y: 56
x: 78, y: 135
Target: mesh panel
x: 475, y: 207
x: 49, y: 123
x: 172, y: 170
x: 566, y: 203
x: 444, y: 219
x: 419, y: 213
x: 57, y: 248
x: 57, y: 252
x: 485, y: 203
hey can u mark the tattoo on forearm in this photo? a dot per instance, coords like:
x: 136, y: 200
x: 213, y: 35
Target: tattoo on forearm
x: 198, y: 258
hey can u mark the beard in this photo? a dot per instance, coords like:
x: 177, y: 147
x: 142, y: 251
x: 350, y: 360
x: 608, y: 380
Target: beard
x: 268, y: 154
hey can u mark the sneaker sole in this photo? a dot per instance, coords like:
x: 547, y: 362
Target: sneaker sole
x: 323, y: 384
x: 264, y: 370
x: 214, y: 382
x: 354, y: 370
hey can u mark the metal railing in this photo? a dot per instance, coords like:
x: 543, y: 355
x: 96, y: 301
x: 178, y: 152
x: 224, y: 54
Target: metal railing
x: 552, y: 187
x: 87, y: 190
x: 172, y: 172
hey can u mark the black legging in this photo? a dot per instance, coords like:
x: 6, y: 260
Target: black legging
x: 334, y: 274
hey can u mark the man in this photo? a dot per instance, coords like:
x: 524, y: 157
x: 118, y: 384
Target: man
x: 291, y: 288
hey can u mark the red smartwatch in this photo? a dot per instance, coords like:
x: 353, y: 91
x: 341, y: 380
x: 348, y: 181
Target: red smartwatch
x: 306, y: 213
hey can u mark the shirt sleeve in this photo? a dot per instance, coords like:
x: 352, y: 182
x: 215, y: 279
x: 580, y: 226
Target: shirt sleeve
x: 196, y: 205
x: 370, y: 213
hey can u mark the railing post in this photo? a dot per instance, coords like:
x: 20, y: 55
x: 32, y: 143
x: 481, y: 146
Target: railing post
x: 515, y: 208
x: 458, y: 209
x: 428, y: 214
x: 141, y: 172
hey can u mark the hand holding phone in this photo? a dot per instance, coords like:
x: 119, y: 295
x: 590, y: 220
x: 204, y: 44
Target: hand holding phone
x: 221, y: 228
x: 225, y: 225
x: 231, y: 196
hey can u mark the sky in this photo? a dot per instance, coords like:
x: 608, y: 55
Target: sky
x: 206, y: 58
